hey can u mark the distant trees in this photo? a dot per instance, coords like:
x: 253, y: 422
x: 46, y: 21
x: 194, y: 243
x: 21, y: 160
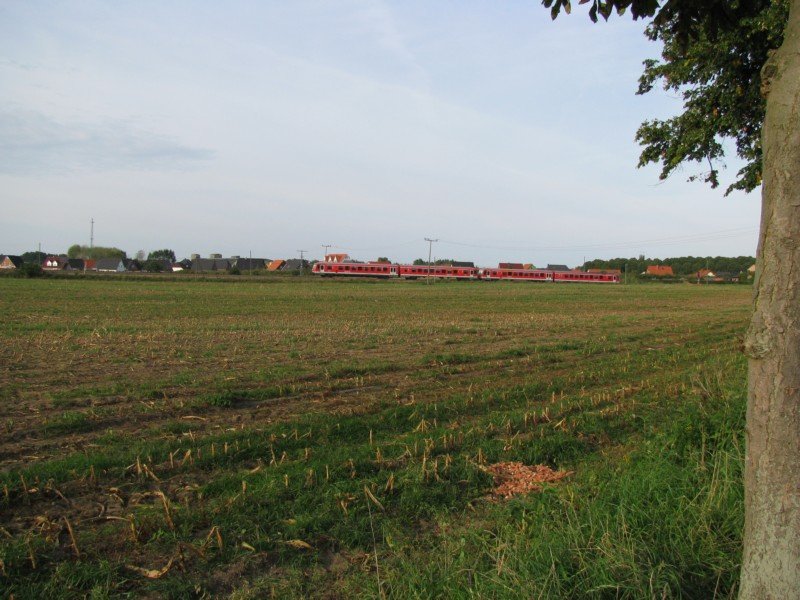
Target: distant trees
x: 34, y: 257
x: 383, y: 259
x: 95, y: 252
x: 438, y: 261
x: 165, y: 254
x: 153, y: 266
x: 682, y: 265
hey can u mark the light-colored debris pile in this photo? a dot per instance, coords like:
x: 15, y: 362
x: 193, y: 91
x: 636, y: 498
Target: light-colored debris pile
x: 512, y: 478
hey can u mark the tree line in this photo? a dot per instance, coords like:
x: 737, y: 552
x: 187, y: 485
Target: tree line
x: 681, y: 265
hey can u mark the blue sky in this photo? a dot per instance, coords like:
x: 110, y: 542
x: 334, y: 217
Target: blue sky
x: 369, y: 125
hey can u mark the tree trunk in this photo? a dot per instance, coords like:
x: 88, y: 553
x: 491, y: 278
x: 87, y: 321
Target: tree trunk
x: 771, y: 560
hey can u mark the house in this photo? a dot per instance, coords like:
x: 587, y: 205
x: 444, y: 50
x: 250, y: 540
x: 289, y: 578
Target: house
x: 211, y: 264
x: 9, y: 261
x: 506, y: 265
x: 183, y: 265
x: 89, y: 264
x: 250, y: 264
x: 705, y: 274
x: 117, y: 265
x: 54, y: 263
x: 337, y: 258
x: 659, y: 271
x: 463, y: 264
x: 62, y: 263
x: 107, y: 265
x: 276, y: 265
x: 557, y: 267
x: 295, y: 264
x: 528, y: 266
x: 726, y: 277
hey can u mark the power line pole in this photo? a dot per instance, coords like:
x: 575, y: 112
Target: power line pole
x: 302, y: 263
x: 430, y: 250
x: 326, y: 246
x: 91, y: 235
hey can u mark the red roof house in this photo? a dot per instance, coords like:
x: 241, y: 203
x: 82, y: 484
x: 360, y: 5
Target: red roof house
x: 660, y: 271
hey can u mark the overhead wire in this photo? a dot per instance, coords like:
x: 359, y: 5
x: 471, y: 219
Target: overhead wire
x: 683, y: 239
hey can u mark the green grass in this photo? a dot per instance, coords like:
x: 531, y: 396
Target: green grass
x: 335, y: 388
x: 67, y: 422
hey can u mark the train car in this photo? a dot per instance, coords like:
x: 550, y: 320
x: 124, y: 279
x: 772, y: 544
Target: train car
x: 580, y: 277
x: 439, y: 272
x: 351, y: 269
x: 390, y: 271
x: 516, y: 275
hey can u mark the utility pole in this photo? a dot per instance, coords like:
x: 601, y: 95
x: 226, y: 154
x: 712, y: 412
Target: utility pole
x: 430, y: 250
x: 91, y: 235
x: 326, y: 246
x: 302, y: 264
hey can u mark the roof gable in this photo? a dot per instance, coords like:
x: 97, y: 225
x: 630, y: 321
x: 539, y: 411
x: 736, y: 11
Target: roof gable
x: 10, y: 261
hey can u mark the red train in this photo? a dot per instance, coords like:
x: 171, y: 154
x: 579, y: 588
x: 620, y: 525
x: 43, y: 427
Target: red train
x: 390, y: 271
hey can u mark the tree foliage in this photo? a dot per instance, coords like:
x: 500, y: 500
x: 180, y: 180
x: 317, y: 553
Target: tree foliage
x: 34, y: 257
x: 713, y: 51
x: 165, y: 254
x: 31, y: 269
x: 153, y: 266
x: 437, y: 262
x: 719, y: 81
x: 95, y: 252
x: 681, y: 265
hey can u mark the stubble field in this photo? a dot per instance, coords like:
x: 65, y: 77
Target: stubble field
x: 307, y: 438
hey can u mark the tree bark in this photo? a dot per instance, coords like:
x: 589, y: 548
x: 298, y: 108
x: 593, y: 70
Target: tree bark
x: 771, y: 558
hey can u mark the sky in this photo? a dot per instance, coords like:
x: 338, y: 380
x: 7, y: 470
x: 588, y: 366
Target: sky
x: 265, y: 128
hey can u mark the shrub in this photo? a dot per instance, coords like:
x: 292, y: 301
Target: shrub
x: 31, y: 270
